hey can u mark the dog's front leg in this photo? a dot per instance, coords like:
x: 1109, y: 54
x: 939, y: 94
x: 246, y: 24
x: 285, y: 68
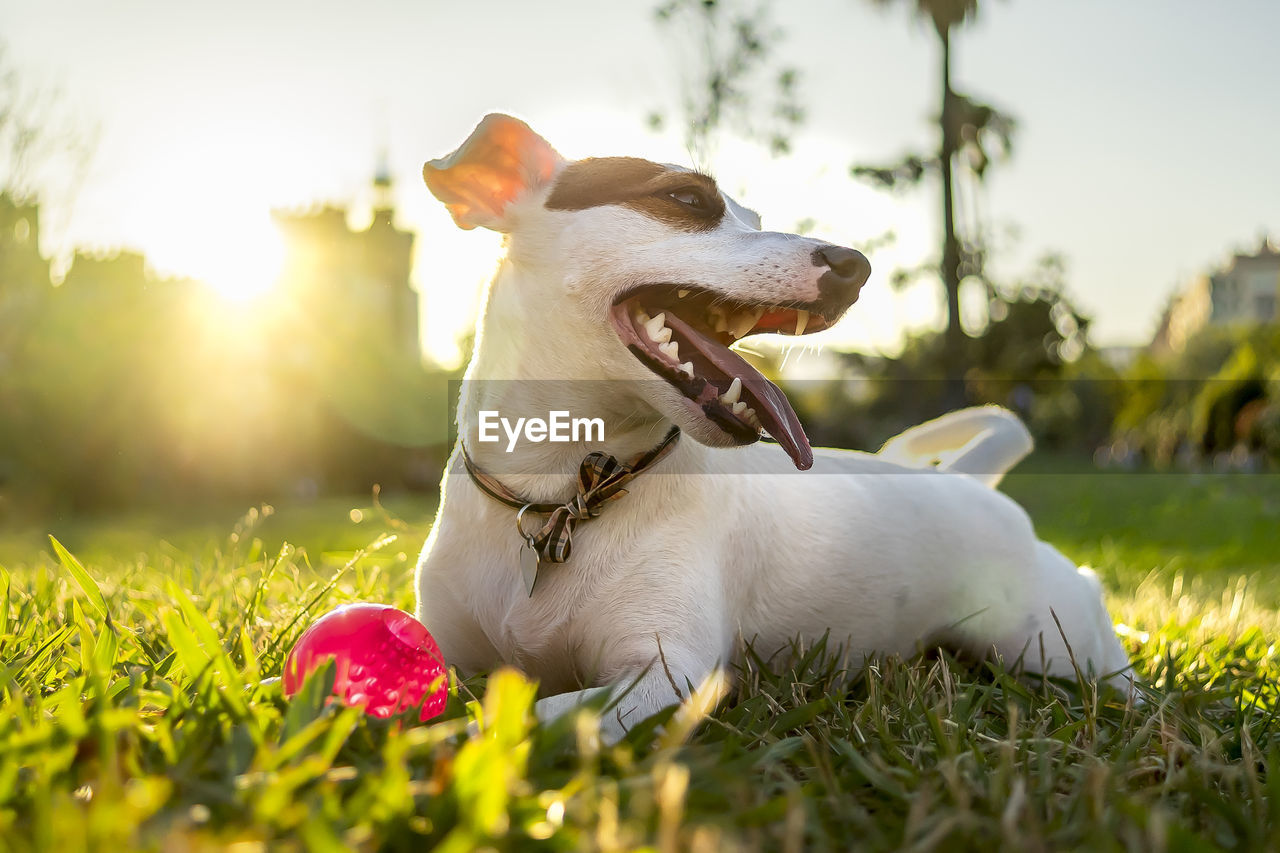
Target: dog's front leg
x: 638, y: 691
x: 627, y: 702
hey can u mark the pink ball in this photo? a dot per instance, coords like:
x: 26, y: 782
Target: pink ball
x: 386, y: 661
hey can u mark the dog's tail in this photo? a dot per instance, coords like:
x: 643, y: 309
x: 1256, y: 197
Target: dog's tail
x: 983, y: 442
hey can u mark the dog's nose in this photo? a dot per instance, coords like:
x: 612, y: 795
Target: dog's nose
x: 847, y: 271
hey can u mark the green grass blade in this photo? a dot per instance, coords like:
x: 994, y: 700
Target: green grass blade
x: 81, y: 576
x: 194, y: 659
x: 4, y: 603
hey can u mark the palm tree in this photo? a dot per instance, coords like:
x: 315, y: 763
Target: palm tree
x: 965, y: 125
x: 946, y: 14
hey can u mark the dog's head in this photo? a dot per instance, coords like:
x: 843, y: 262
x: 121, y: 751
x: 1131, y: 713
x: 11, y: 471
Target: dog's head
x: 650, y: 269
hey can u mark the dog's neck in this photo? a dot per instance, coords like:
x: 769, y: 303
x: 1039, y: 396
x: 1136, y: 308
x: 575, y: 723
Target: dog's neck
x: 525, y: 365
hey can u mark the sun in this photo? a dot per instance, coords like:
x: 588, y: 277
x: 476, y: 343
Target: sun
x: 237, y: 252
x: 248, y: 263
x: 206, y: 215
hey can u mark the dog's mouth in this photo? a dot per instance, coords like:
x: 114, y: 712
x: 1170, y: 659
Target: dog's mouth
x: 683, y: 334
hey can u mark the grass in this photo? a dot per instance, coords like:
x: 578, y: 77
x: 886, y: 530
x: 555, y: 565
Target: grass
x: 135, y: 713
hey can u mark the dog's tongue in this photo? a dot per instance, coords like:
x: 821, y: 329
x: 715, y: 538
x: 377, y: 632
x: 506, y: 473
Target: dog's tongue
x: 771, y: 405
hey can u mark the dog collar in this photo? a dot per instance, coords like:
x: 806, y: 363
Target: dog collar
x: 601, y: 479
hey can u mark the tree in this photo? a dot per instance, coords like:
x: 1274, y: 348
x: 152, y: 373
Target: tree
x: 1034, y: 357
x: 970, y: 130
x: 45, y: 147
x: 728, y: 66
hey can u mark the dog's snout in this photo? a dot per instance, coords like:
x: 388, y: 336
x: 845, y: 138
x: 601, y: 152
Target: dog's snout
x: 846, y: 263
x: 847, y: 271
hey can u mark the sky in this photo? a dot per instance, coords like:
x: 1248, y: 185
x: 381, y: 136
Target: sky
x: 1145, y: 151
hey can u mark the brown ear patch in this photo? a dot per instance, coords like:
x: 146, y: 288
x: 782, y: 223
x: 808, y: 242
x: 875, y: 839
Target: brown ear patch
x: 687, y: 200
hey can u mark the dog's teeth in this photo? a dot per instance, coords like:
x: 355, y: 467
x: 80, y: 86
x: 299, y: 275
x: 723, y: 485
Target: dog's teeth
x: 671, y: 349
x: 715, y: 319
x: 735, y: 390
x: 687, y: 367
x: 802, y: 321
x: 739, y: 407
x: 744, y: 323
x: 641, y: 316
x: 654, y: 328
x: 681, y: 294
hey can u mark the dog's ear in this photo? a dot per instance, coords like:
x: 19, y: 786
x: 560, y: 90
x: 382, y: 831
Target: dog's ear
x: 499, y: 162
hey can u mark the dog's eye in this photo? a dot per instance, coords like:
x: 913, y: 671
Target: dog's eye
x: 690, y: 198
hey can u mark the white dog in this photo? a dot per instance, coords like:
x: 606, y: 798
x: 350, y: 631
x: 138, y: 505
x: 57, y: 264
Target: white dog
x: 623, y: 284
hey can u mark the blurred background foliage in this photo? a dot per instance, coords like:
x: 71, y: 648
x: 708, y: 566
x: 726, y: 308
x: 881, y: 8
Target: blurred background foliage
x: 1206, y: 395
x: 119, y: 387
x: 1215, y: 406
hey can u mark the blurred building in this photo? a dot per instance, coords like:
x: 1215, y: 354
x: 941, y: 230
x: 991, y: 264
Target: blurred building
x: 119, y: 386
x: 1244, y: 292
x: 24, y: 273
x: 24, y: 290
x: 112, y: 274
x: 21, y: 266
x: 1187, y: 312
x: 353, y: 284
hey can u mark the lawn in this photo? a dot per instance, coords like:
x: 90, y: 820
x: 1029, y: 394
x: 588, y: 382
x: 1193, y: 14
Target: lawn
x: 135, y: 713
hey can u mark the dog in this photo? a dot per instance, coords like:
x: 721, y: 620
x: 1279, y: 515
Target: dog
x: 623, y: 284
